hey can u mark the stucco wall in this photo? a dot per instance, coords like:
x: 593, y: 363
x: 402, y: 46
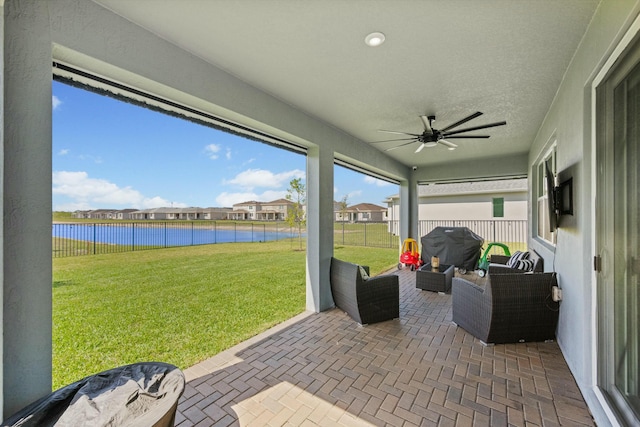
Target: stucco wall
x: 472, y: 211
x: 569, y: 122
x: 467, y: 207
x: 26, y: 200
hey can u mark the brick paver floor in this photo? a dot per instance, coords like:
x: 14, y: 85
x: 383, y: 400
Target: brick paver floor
x: 419, y: 370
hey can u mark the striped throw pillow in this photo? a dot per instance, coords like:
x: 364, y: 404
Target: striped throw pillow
x: 517, y: 256
x: 525, y: 264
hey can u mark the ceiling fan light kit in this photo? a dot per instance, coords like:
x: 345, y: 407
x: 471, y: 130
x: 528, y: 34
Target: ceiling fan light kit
x: 431, y: 137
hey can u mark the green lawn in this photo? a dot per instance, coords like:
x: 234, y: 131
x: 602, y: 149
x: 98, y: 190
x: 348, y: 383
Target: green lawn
x: 177, y: 305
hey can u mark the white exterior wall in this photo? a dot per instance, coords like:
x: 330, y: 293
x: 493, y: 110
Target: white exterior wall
x: 467, y: 207
x: 471, y: 210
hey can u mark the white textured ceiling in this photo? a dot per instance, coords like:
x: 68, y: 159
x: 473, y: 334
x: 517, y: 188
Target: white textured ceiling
x: 505, y: 58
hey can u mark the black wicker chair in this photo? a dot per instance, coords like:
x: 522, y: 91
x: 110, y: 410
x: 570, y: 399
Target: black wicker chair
x: 510, y: 308
x: 366, y: 300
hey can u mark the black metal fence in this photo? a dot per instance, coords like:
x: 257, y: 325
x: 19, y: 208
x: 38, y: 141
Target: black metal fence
x: 376, y: 234
x: 71, y: 239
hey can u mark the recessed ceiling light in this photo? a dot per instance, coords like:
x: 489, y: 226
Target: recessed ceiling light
x: 374, y: 39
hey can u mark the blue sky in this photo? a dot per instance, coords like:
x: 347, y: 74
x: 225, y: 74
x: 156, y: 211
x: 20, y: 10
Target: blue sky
x: 111, y: 154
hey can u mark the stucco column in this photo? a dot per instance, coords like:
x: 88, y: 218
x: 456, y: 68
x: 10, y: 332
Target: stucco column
x: 319, y: 227
x: 409, y: 208
x: 26, y: 200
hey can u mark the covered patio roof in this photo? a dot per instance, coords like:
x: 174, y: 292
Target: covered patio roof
x: 445, y: 58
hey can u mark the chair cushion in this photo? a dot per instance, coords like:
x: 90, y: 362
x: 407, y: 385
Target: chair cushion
x: 517, y: 256
x: 363, y: 273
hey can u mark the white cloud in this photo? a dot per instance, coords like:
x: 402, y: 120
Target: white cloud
x: 252, y: 178
x: 63, y: 152
x: 159, y: 202
x: 228, y: 155
x: 212, y: 151
x: 55, y: 102
x: 353, y: 195
x: 230, y: 199
x: 70, y: 207
x: 88, y: 193
x: 378, y: 182
x: 94, y: 159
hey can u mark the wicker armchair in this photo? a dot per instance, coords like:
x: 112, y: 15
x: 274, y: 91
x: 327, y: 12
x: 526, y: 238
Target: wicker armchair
x: 498, y: 264
x: 366, y: 300
x: 510, y: 308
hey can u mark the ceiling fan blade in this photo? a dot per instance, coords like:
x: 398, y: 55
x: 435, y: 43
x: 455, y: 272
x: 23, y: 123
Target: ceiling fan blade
x: 392, y: 140
x: 490, y: 125
x: 398, y: 133
x: 467, y: 136
x: 463, y: 121
x: 419, y: 149
x: 451, y: 145
x: 427, y: 125
x: 401, y: 145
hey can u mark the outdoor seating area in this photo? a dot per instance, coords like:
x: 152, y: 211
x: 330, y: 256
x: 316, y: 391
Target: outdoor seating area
x: 418, y: 369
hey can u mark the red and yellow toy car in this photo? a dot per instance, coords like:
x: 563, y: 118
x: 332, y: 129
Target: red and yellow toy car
x: 410, y: 257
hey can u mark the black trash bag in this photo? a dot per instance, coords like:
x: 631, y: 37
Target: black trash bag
x: 141, y: 394
x: 456, y: 246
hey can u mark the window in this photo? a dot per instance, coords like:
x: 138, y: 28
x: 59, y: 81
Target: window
x: 498, y: 207
x: 542, y: 198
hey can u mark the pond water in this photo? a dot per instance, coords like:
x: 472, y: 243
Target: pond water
x: 163, y: 234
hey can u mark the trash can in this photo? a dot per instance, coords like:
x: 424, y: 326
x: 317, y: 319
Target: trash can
x: 140, y: 394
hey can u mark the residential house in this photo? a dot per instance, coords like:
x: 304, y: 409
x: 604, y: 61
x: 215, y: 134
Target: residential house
x: 362, y: 212
x: 244, y: 210
x: 215, y: 213
x: 192, y: 213
x: 96, y: 214
x: 124, y: 213
x: 276, y: 210
x: 476, y: 200
x: 553, y: 70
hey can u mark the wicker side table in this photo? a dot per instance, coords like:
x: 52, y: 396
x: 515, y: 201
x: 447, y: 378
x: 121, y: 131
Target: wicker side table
x: 435, y: 281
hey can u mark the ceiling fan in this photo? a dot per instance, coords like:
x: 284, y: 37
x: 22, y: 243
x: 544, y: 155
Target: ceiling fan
x: 431, y: 137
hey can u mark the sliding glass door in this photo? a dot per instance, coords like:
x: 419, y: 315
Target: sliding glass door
x: 618, y: 160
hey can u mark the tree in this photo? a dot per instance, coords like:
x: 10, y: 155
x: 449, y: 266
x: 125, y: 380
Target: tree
x: 343, y: 205
x: 296, y: 193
